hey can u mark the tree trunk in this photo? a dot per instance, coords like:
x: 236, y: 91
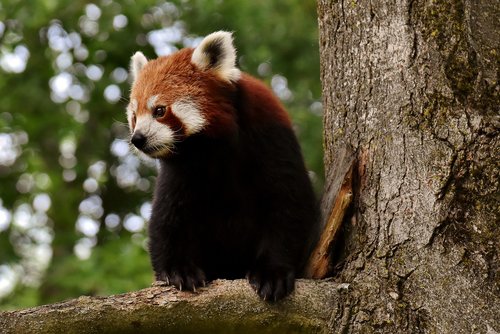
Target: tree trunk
x: 412, y: 87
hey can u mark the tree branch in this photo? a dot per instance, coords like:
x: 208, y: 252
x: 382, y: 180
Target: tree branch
x: 224, y: 306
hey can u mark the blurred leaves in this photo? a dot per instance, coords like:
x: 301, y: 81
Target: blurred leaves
x: 73, y: 200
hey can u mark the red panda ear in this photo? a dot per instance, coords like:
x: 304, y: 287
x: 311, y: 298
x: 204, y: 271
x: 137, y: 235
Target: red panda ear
x: 216, y: 52
x: 136, y: 64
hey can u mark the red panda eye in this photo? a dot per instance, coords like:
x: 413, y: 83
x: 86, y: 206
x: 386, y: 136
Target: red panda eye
x: 159, y: 111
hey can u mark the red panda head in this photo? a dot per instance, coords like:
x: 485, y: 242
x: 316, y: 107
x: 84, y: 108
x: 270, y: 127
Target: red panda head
x: 190, y: 92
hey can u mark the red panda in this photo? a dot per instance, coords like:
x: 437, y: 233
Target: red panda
x: 232, y: 196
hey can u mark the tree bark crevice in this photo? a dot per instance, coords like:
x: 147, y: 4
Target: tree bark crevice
x: 402, y: 85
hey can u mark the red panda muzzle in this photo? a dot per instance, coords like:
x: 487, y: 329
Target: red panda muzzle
x: 138, y: 140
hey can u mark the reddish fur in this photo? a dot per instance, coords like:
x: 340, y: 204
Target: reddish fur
x: 259, y: 105
x: 215, y: 96
x: 173, y: 122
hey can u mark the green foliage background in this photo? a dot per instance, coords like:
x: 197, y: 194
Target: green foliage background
x: 63, y: 171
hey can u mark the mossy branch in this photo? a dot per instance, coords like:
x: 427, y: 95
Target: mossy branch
x: 222, y: 307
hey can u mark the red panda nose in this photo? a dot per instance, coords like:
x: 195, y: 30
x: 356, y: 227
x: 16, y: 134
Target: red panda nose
x: 138, y: 139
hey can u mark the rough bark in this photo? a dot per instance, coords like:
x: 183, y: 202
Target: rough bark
x: 413, y: 87
x: 222, y: 307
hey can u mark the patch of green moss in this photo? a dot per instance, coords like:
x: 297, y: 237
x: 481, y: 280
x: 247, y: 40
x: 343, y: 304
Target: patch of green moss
x: 444, y: 24
x: 180, y: 318
x: 436, y: 112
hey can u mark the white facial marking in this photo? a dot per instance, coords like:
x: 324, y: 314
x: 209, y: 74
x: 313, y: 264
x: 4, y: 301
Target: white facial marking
x: 160, y: 137
x: 152, y: 101
x: 190, y: 116
x: 131, y: 110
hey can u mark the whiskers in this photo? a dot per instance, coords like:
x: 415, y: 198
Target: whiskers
x: 121, y: 123
x: 124, y: 100
x: 177, y: 134
x: 160, y: 150
x: 167, y: 149
x: 154, y: 150
x: 160, y: 144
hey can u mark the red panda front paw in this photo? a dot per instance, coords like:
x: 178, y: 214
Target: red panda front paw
x: 272, y: 284
x: 187, y: 277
